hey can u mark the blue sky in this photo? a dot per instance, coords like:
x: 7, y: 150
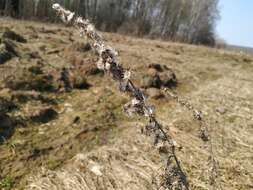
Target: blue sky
x: 236, y: 23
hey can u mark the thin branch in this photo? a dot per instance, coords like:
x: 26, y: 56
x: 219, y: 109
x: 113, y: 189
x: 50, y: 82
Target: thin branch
x: 205, y: 134
x: 173, y: 177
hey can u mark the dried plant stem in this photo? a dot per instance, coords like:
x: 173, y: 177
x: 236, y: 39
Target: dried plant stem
x: 205, y: 134
x: 173, y: 176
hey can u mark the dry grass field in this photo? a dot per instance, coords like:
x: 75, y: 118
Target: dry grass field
x: 55, y: 138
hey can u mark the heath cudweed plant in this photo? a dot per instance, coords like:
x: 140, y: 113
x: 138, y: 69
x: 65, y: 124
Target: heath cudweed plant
x: 173, y: 176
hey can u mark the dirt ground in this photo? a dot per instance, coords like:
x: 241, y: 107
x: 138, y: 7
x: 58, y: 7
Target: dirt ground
x: 53, y: 137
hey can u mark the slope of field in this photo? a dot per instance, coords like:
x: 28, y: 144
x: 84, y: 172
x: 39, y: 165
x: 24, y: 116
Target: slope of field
x: 55, y: 137
x: 247, y: 50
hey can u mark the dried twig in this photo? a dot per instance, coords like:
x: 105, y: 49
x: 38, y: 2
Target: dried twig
x: 173, y: 177
x: 204, y: 134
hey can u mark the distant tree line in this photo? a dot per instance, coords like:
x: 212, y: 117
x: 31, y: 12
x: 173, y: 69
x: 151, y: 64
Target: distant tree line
x: 190, y: 21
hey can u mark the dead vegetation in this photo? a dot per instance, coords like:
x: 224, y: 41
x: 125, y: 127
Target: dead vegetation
x: 92, y: 144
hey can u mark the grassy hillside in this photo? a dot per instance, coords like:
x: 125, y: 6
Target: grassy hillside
x: 247, y: 50
x: 79, y: 138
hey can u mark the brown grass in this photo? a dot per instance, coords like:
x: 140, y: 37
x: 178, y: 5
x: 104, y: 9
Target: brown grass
x: 107, y: 141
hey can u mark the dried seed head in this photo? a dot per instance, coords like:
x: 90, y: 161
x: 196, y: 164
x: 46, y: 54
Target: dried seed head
x: 149, y: 111
x: 100, y: 64
x: 56, y: 6
x: 70, y: 17
x: 127, y: 75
